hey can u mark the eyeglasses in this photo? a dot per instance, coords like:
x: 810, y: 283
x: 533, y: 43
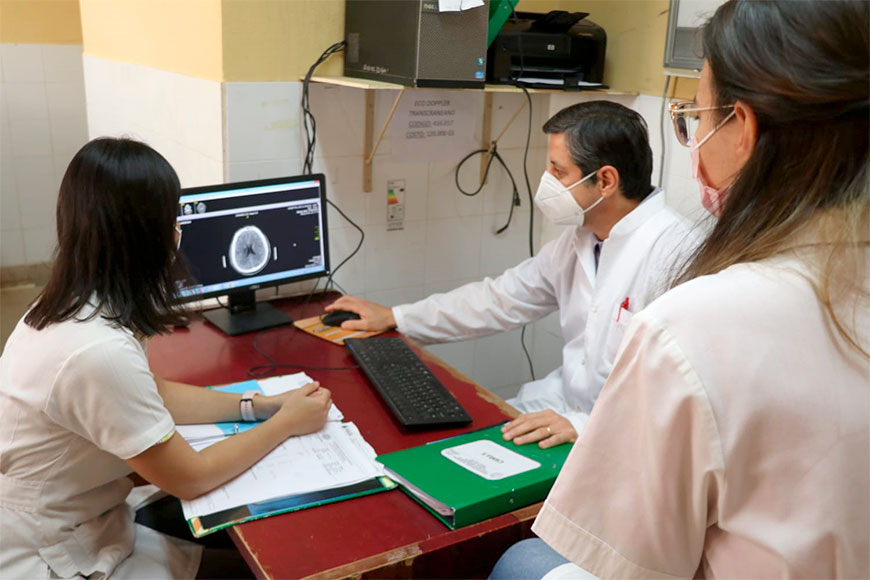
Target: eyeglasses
x: 684, y: 114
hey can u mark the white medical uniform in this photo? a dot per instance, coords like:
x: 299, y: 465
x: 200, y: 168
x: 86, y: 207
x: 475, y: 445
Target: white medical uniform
x: 732, y: 436
x: 634, y: 265
x: 76, y: 399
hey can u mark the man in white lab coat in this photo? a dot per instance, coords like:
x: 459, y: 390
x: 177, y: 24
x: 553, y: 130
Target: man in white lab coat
x: 615, y: 259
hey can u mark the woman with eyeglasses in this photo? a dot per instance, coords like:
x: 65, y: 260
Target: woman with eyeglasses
x: 81, y: 409
x: 731, y: 438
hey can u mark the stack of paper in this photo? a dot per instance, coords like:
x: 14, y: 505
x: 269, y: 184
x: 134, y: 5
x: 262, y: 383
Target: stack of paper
x: 335, y: 458
x: 201, y: 436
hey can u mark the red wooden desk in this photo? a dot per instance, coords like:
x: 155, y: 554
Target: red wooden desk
x: 385, y: 535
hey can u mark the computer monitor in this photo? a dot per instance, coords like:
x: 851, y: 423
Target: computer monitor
x: 240, y: 237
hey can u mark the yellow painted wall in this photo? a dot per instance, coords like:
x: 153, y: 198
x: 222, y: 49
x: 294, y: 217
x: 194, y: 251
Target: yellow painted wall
x: 40, y: 22
x: 277, y: 40
x: 182, y: 36
x: 636, y: 32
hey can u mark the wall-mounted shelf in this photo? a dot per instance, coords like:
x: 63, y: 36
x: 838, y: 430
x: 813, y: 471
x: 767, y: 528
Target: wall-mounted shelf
x: 370, y: 143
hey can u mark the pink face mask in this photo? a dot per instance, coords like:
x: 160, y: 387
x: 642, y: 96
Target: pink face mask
x: 711, y: 198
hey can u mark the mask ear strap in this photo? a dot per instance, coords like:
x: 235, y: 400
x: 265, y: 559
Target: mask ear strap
x: 716, y: 128
x: 584, y: 178
x: 600, y: 199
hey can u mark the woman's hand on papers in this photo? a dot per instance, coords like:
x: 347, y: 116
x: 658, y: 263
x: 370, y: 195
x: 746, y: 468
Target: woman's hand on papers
x: 304, y: 409
x: 548, y: 428
x: 373, y: 316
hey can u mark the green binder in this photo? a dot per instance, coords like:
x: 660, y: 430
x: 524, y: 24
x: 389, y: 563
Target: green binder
x: 472, y: 477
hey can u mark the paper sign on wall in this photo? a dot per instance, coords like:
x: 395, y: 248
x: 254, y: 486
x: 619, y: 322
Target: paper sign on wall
x: 395, y: 204
x: 433, y: 126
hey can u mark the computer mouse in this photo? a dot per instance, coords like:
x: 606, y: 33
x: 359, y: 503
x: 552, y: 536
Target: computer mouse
x: 336, y: 317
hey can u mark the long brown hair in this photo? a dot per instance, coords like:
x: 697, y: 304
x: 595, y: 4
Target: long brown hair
x: 116, y: 245
x: 803, y: 69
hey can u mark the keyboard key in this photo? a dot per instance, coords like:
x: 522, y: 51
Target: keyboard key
x: 413, y: 394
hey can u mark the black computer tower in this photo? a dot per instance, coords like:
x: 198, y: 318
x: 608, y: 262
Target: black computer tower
x: 410, y: 42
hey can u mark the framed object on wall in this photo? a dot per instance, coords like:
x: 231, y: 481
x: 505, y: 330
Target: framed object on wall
x: 683, y: 45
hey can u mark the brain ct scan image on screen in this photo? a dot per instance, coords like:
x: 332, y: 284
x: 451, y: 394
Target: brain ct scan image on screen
x: 253, y: 234
x: 249, y: 250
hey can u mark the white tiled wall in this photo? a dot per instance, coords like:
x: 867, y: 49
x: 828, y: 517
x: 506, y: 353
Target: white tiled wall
x: 42, y: 125
x: 448, y: 238
x: 179, y: 116
x: 213, y: 132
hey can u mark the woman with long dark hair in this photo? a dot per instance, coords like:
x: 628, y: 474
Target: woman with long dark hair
x: 732, y: 438
x: 80, y: 406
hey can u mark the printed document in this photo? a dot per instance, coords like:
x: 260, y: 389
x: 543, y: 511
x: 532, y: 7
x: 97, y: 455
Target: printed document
x: 335, y: 456
x: 201, y: 436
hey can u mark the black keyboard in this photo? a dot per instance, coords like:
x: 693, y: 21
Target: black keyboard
x: 414, y: 395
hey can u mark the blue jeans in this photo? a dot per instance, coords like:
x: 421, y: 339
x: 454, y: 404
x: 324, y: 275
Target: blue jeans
x: 528, y: 559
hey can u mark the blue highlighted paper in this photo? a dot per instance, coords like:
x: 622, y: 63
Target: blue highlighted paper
x: 231, y: 428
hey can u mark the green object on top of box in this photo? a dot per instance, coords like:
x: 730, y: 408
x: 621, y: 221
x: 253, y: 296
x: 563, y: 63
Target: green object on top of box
x: 499, y: 12
x: 472, y: 477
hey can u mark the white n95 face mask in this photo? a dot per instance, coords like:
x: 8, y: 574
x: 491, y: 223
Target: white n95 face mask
x: 557, y: 203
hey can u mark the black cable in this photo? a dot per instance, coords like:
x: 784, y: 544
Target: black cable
x: 531, y: 217
x: 310, y: 125
x: 526, y: 174
x: 517, y: 82
x: 308, y: 120
x: 493, y: 156
x: 339, y: 286
x: 259, y: 371
x: 309, y: 297
x: 362, y: 237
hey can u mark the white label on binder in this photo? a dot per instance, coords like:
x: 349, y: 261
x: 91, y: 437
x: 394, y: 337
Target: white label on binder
x: 489, y: 459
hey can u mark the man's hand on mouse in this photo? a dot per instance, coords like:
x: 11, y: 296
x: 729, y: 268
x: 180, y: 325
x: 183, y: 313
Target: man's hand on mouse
x: 373, y: 317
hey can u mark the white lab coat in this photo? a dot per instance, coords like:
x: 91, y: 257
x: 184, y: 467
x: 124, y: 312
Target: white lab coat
x: 77, y: 399
x: 635, y: 263
x: 733, y: 435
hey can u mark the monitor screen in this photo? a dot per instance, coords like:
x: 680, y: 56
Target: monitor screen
x: 238, y: 237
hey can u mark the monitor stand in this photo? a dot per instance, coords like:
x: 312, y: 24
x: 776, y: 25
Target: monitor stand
x: 245, y: 314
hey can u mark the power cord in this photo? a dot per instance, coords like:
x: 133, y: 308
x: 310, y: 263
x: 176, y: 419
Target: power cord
x: 308, y: 120
x: 518, y: 83
x: 515, y: 197
x: 310, y: 125
x: 362, y: 237
x: 493, y: 156
x: 260, y: 371
x: 531, y: 213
